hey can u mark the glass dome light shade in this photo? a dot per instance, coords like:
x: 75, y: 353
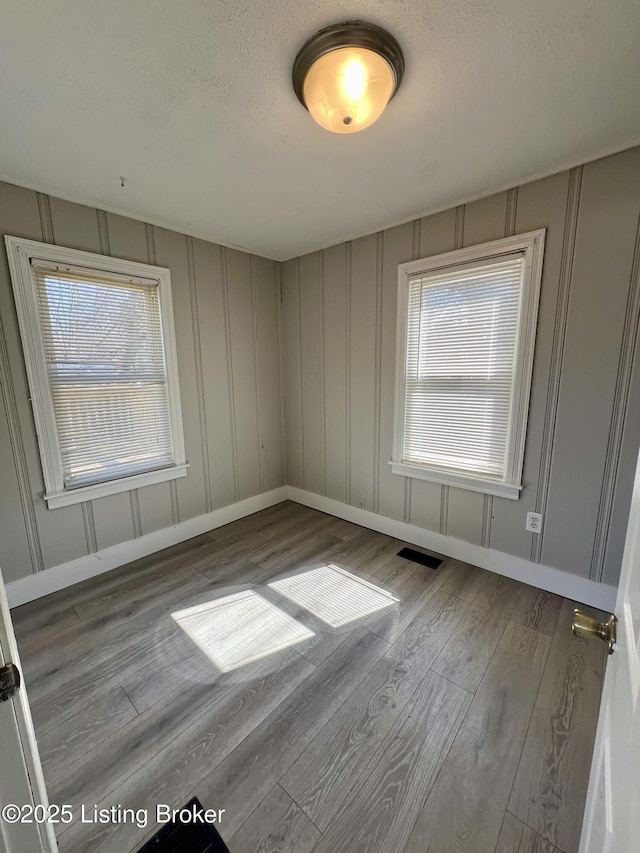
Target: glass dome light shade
x: 347, y: 89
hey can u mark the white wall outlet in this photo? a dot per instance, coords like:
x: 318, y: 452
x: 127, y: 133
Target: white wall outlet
x: 534, y: 522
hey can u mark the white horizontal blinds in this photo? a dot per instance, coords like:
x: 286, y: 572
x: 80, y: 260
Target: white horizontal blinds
x: 461, y: 352
x: 105, y: 362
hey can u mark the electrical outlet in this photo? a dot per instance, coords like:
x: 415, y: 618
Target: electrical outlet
x: 534, y: 522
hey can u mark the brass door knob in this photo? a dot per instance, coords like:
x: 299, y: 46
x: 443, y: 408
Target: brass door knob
x: 585, y: 625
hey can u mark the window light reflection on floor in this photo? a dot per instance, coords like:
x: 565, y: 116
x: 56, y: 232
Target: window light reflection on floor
x: 240, y: 628
x: 334, y: 595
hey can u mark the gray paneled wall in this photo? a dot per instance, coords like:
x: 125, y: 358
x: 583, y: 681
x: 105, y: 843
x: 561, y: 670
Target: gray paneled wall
x: 329, y: 319
x: 226, y: 306
x: 339, y: 326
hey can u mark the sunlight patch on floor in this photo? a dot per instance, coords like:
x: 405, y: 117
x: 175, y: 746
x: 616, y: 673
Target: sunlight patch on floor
x: 334, y: 595
x: 239, y: 629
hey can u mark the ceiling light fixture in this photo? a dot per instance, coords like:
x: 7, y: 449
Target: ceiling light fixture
x: 346, y: 74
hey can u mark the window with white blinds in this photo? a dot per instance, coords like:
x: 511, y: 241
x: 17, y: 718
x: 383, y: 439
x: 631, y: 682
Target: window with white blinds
x: 104, y: 353
x: 466, y: 332
x: 101, y: 364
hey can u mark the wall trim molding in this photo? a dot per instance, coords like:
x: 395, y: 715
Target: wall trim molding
x: 579, y: 589
x: 58, y: 577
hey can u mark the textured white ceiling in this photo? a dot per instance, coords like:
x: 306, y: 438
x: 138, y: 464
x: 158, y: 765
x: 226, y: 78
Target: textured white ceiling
x: 192, y: 101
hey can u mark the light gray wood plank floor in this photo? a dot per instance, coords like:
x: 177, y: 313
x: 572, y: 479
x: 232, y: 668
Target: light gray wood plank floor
x: 414, y: 710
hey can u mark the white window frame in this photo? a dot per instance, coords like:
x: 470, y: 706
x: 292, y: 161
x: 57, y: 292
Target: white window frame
x: 20, y: 254
x: 532, y: 244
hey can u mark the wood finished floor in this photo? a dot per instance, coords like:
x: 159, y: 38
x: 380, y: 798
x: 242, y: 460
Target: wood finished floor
x: 460, y: 718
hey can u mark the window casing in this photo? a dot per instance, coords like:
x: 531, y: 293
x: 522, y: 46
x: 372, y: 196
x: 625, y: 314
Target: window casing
x: 465, y: 343
x: 99, y: 345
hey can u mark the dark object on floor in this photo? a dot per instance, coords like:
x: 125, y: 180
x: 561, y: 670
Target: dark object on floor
x: 419, y: 557
x: 177, y: 837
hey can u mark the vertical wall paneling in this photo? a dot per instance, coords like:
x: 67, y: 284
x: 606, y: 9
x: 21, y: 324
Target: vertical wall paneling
x: 208, y: 327
x: 487, y: 521
x: 336, y: 295
x: 347, y: 369
x: 398, y: 245
x: 408, y: 482
x: 604, y: 251
x: 216, y: 371
x: 113, y: 520
x: 511, y: 212
x: 153, y: 507
x: 378, y: 372
x: 484, y: 220
x: 171, y: 251
x: 584, y: 411
x: 129, y: 239
x: 619, y: 416
x: 136, y: 516
x: 293, y: 365
x: 268, y: 359
x: 362, y: 334
x: 437, y: 235
x: 294, y: 440
x: 46, y: 223
x: 458, y: 238
x: 626, y: 467
x: 103, y: 232
x: 256, y: 359
x: 465, y: 515
x: 75, y: 225
x: 21, y: 552
x: 89, y: 527
x: 230, y: 385
x: 283, y: 437
x: 197, y: 356
x: 557, y: 351
x: 312, y: 337
x: 443, y: 521
x: 243, y: 367
x: 540, y: 204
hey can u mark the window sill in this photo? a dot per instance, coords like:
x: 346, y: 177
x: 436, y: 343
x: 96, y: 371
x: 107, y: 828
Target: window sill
x: 473, y: 484
x: 114, y: 487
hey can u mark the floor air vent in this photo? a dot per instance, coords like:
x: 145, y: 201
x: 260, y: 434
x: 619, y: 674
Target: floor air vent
x: 419, y: 557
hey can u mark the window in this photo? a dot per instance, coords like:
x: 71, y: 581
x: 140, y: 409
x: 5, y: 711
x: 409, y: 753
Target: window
x: 466, y: 334
x: 99, y: 345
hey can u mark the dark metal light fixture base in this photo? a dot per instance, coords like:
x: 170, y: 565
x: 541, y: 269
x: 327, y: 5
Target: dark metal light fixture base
x: 348, y: 34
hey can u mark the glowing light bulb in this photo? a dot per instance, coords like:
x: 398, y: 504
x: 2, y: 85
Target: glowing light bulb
x: 353, y: 78
x: 347, y: 89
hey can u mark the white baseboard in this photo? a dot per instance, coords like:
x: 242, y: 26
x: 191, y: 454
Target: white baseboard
x: 562, y: 583
x: 58, y: 577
